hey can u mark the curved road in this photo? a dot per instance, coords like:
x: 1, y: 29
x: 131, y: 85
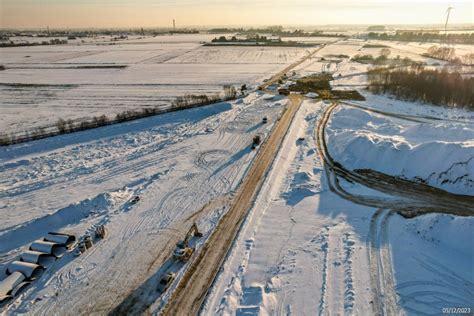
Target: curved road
x: 410, y: 198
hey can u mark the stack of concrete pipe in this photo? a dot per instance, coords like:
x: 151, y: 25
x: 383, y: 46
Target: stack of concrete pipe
x: 41, y: 254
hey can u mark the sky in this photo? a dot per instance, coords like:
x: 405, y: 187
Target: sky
x: 160, y: 13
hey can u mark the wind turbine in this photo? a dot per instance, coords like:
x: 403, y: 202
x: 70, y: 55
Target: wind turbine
x: 448, y: 11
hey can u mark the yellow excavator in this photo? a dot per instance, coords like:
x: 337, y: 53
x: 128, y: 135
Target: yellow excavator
x: 183, y: 251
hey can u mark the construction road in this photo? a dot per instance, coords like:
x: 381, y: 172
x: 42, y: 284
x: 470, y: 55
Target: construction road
x: 193, y: 287
x: 275, y: 78
x: 409, y: 199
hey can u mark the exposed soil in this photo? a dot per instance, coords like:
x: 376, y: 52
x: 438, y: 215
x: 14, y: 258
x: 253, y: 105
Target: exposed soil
x: 320, y: 84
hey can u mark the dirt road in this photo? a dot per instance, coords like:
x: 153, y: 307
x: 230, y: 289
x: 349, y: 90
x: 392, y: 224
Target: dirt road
x: 280, y: 75
x: 192, y: 289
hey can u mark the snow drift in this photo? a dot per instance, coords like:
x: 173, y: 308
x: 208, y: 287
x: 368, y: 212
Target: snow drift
x: 437, y: 153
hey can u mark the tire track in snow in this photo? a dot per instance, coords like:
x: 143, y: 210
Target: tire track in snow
x: 323, y: 305
x: 460, y: 289
x: 202, y: 162
x: 338, y: 294
x: 154, y: 151
x: 380, y: 264
x: 349, y: 292
x: 334, y: 272
x: 385, y: 255
x: 377, y: 307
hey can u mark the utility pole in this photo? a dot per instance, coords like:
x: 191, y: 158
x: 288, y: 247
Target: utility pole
x: 174, y: 25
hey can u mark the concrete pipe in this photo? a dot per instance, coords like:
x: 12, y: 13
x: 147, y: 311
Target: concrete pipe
x: 88, y: 242
x: 40, y: 258
x: 11, y: 285
x: 49, y: 248
x: 30, y: 270
x: 100, y: 232
x: 66, y: 240
x: 82, y: 247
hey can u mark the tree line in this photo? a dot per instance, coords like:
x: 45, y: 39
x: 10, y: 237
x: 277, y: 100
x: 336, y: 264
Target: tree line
x: 276, y: 30
x: 411, y: 36
x: 416, y: 83
x: 54, y: 41
x: 63, y: 126
x: 383, y: 59
x: 449, y: 54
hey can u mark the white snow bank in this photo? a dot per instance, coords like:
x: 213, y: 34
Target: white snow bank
x: 432, y: 262
x: 440, y: 153
x: 440, y: 229
x: 312, y: 95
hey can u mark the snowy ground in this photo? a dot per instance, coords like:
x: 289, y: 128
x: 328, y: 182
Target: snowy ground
x: 421, y: 48
x: 44, y: 83
x: 328, y: 60
x: 304, y: 250
x: 176, y: 162
x: 360, y: 139
x: 290, y: 256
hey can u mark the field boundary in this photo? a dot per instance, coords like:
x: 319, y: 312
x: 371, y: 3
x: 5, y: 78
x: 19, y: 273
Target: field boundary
x: 80, y: 125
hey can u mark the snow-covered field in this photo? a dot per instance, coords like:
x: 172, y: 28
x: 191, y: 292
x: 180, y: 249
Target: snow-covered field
x: 421, y: 48
x: 44, y: 83
x: 327, y: 59
x: 176, y: 162
x: 303, y: 250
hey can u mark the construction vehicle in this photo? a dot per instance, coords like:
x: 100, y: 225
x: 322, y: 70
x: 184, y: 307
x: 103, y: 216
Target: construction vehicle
x: 183, y: 251
x: 166, y: 281
x: 256, y: 141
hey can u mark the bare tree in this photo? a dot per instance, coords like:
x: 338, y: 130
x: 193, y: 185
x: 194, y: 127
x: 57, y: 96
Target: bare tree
x: 61, y: 125
x: 469, y: 59
x: 229, y: 92
x: 385, y: 52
